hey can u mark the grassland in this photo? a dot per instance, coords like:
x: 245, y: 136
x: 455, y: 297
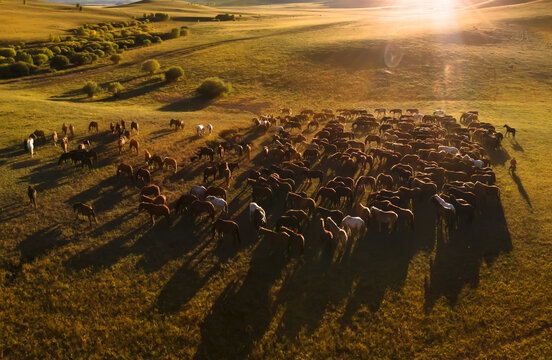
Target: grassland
x: 125, y: 289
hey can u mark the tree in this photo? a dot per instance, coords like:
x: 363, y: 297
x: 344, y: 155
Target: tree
x: 151, y: 66
x: 91, y: 88
x: 58, y: 62
x: 116, y: 58
x: 213, y: 87
x: 115, y: 88
x: 174, y: 74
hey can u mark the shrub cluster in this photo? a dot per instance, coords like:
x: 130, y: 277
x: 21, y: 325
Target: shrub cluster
x: 225, y: 17
x: 213, y: 87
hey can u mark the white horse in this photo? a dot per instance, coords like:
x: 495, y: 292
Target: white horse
x: 219, y: 203
x: 449, y: 149
x: 209, y: 128
x: 353, y: 225
x: 198, y: 191
x: 418, y: 116
x: 200, y: 130
x: 444, y: 204
x: 256, y: 209
x: 439, y: 113
x: 476, y: 163
x: 338, y: 233
x: 30, y: 145
x: 278, y: 129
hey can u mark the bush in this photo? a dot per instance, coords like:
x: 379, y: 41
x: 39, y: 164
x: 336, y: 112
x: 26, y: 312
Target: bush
x: 116, y: 58
x: 58, y: 62
x: 146, y: 42
x: 184, y: 31
x: 5, y: 71
x: 7, y: 52
x: 151, y: 66
x: 157, y: 39
x: 91, y: 88
x: 115, y: 88
x: 40, y: 59
x: 82, y: 58
x: 225, y: 17
x: 6, y: 60
x: 175, y: 73
x: 175, y: 33
x: 21, y: 68
x: 213, y: 87
x: 24, y: 57
x: 161, y: 17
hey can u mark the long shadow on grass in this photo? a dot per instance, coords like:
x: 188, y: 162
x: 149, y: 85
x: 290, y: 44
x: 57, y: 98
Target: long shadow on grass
x: 521, y: 188
x: 458, y: 259
x: 188, y: 104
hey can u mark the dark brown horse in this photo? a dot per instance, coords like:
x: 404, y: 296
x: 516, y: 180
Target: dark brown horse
x: 134, y: 125
x: 184, y: 202
x: 134, y: 144
x: 150, y: 190
x: 199, y: 207
x: 156, y: 210
x: 93, y: 125
x: 144, y: 175
x: 227, y: 227
x: 31, y: 192
x: 295, y: 238
x: 123, y: 169
x: 160, y: 199
x: 216, y: 191
x: 296, y: 201
x: 170, y: 162
x: 85, y: 210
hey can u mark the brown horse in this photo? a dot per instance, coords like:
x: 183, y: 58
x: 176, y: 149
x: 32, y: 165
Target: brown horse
x: 227, y: 174
x: 156, y: 159
x: 64, y: 143
x: 385, y: 181
x: 326, y: 236
x: 295, y: 238
x: 93, y: 125
x: 328, y: 194
x: 247, y: 151
x: 147, y: 157
x: 31, y: 192
x: 209, y: 171
x: 216, y: 191
x: 170, y: 162
x: 184, y: 202
x: 134, y: 144
x: 178, y: 124
x: 120, y: 143
x: 262, y: 192
x: 72, y: 129
x: 389, y: 218
x: 296, y: 201
x: 64, y: 129
x: 144, y: 175
x: 55, y: 138
x: 125, y: 169
x: 156, y: 210
x: 134, y: 125
x: 112, y: 127
x: 336, y: 215
x: 85, y: 210
x: 227, y: 227
x: 199, y: 207
x: 150, y: 190
x: 300, y: 215
x: 160, y: 199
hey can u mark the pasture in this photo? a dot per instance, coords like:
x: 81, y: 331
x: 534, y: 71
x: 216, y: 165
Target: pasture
x: 123, y: 288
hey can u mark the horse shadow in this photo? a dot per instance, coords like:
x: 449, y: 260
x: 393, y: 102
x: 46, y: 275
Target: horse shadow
x: 498, y: 156
x: 521, y: 188
x: 189, y: 104
x: 105, y: 195
x: 515, y: 145
x: 45, y: 177
x: 457, y: 261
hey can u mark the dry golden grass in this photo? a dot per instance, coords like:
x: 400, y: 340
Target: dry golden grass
x: 125, y: 289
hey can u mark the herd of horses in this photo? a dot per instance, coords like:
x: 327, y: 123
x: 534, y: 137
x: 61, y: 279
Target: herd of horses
x: 371, y: 170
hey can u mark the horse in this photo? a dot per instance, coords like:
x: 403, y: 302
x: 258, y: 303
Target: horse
x: 55, y: 138
x: 199, y: 191
x: 327, y: 193
x: 30, y: 145
x: 209, y: 128
x: 389, y: 218
x: 72, y: 129
x: 405, y: 215
x: 178, y: 124
x: 300, y: 215
x: 336, y: 215
x: 339, y: 234
x: 216, y: 191
x: 300, y: 202
x: 275, y: 237
x: 227, y: 174
x: 134, y: 125
x: 120, y: 143
x: 288, y: 221
x: 363, y: 212
x: 200, y: 130
x: 353, y: 225
x: 150, y: 190
x: 156, y: 210
x: 295, y: 238
x: 156, y: 159
x: 85, y: 210
x: 144, y: 175
x: 122, y: 169
x: 257, y: 215
x: 64, y: 129
x: 160, y: 199
x: 209, y: 171
x: 444, y: 210
x: 326, y: 236
x: 170, y: 162
x: 199, y: 207
x: 262, y: 192
x: 184, y: 201
x: 385, y: 181
x: 93, y: 125
x: 463, y: 208
x: 226, y: 227
x: 31, y: 192
x: 510, y: 130
x: 134, y: 144
x: 219, y: 204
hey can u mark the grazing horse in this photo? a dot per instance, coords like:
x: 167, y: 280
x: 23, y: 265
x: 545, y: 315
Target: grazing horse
x: 144, y: 175
x: 178, y: 124
x: 156, y: 210
x: 216, y: 191
x: 227, y: 227
x: 134, y: 144
x: 85, y: 210
x: 72, y: 129
x: 150, y: 190
x: 160, y: 199
x: 170, y: 162
x: 123, y: 169
x: 200, y: 130
x: 121, y: 142
x: 31, y: 192
x: 199, y: 207
x: 295, y: 238
x: 353, y: 225
x: 30, y: 145
x: 227, y: 174
x: 288, y: 221
x: 327, y: 193
x: 147, y: 157
x: 339, y: 234
x: 444, y: 210
x: 156, y: 159
x: 209, y: 171
x: 55, y: 138
x: 510, y: 130
x: 184, y: 201
x: 219, y: 203
x: 257, y: 215
x: 199, y: 191
x: 297, y: 201
x: 93, y: 125
x: 209, y: 128
x: 275, y: 237
x: 326, y: 236
x: 389, y: 218
x: 64, y: 128
x: 134, y: 125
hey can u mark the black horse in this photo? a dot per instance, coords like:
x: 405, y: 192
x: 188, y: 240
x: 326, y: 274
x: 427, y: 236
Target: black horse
x: 510, y: 130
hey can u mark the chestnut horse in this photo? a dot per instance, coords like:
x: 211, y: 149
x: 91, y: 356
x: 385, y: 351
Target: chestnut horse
x: 134, y: 144
x: 31, y: 192
x: 93, y: 125
x: 156, y: 210
x: 227, y: 227
x: 144, y: 175
x: 198, y: 207
x: 123, y: 169
x: 85, y: 210
x: 170, y: 162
